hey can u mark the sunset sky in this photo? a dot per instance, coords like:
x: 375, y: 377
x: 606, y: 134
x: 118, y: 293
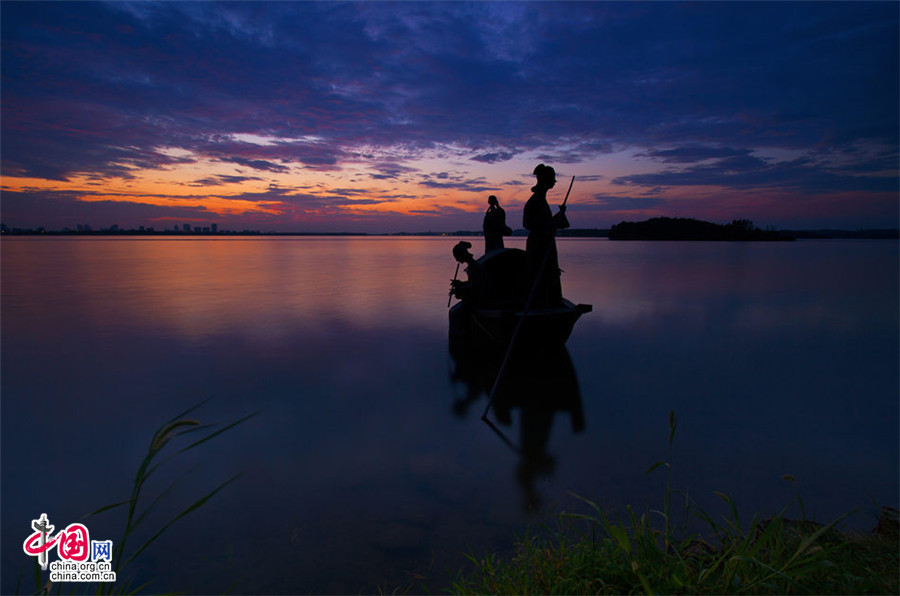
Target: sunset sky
x: 389, y: 117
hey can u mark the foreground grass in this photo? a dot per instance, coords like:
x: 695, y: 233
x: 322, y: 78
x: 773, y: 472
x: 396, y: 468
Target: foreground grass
x: 628, y: 557
x: 591, y: 553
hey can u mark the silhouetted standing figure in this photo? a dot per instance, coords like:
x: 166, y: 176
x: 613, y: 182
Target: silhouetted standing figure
x: 494, y: 225
x: 541, y: 245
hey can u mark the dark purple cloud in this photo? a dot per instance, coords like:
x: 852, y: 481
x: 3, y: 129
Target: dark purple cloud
x: 744, y: 171
x: 257, y: 164
x: 390, y: 171
x: 692, y: 153
x: 495, y: 157
x: 221, y: 179
x: 455, y: 181
x: 309, y: 201
x: 602, y: 202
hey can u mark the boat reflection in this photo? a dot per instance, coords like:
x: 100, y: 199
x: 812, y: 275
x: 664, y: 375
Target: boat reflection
x: 536, y: 384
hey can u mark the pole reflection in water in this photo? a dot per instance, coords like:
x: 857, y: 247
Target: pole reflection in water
x: 537, y: 383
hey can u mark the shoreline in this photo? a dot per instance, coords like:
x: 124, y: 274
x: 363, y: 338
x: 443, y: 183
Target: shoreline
x: 824, y: 234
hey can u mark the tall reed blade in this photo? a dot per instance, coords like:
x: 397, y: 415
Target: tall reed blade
x: 172, y: 430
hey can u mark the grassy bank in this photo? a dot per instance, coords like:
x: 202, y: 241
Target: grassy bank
x: 594, y: 552
x: 776, y: 556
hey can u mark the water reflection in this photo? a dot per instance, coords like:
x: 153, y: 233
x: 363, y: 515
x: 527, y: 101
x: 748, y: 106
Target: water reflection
x: 535, y: 385
x: 199, y: 289
x: 778, y: 359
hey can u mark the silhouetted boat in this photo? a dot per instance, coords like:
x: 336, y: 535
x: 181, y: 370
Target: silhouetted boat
x: 501, y: 304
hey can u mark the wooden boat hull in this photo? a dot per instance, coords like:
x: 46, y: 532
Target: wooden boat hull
x: 541, y: 326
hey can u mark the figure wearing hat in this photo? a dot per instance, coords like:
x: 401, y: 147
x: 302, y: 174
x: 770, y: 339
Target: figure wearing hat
x: 543, y: 262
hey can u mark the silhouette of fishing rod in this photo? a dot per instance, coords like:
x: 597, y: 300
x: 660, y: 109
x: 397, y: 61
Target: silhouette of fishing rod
x: 515, y: 335
x: 455, y: 275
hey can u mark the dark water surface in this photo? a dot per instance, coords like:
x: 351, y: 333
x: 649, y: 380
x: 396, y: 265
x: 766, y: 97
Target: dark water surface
x: 359, y: 472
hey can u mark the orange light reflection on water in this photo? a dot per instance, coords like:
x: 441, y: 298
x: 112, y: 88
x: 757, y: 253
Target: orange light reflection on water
x: 262, y: 289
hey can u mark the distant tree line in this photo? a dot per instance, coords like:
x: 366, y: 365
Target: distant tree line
x: 684, y: 228
x: 521, y: 233
x: 660, y: 228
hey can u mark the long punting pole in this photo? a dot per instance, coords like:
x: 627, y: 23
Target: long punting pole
x: 568, y: 191
x: 515, y: 335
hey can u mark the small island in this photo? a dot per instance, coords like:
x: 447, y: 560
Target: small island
x: 683, y: 228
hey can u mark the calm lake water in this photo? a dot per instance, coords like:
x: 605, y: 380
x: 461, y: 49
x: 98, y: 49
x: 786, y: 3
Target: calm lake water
x: 364, y: 469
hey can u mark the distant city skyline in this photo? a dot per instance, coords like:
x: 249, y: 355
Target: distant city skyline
x: 376, y: 117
